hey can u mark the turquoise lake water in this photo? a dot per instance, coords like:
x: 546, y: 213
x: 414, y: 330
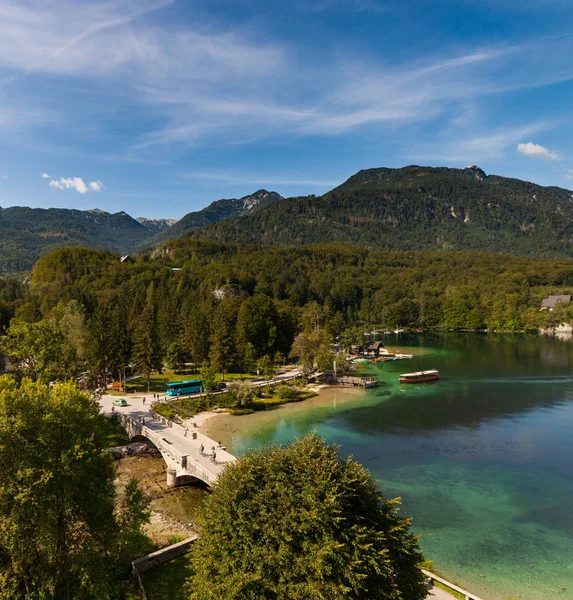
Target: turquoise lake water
x: 483, y: 459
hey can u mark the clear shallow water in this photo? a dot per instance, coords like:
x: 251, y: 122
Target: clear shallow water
x: 483, y: 459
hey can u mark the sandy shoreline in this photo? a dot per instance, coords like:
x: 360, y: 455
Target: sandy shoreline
x: 226, y: 427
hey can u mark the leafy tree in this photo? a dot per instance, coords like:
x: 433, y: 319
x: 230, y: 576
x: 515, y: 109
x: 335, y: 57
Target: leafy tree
x: 176, y: 355
x: 241, y: 391
x: 298, y: 523
x: 248, y: 359
x: 131, y: 513
x: 60, y: 537
x: 208, y: 378
x: 36, y: 349
x: 312, y: 349
x: 266, y: 367
x: 257, y: 324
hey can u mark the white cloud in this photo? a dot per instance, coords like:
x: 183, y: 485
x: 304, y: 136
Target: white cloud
x: 459, y: 146
x: 569, y: 174
x: 4, y: 176
x: 76, y: 183
x: 95, y: 186
x: 531, y: 149
x: 45, y: 176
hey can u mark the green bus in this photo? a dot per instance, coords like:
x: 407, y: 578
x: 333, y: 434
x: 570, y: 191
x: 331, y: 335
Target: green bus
x: 179, y: 388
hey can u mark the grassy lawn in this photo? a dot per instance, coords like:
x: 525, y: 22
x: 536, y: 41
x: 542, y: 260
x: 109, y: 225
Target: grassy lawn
x: 114, y: 432
x: 157, y: 380
x: 167, y: 581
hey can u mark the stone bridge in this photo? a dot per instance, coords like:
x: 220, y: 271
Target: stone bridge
x: 182, y: 453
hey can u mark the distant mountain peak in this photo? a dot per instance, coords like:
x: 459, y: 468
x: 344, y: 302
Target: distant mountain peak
x: 252, y: 201
x: 475, y: 172
x: 219, y: 210
x: 98, y: 211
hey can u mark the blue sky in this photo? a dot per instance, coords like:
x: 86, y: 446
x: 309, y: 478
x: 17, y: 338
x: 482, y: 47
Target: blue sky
x: 158, y: 107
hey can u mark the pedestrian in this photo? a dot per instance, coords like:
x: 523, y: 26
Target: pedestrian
x: 186, y: 431
x: 220, y: 445
x: 214, y: 456
x: 143, y: 400
x: 202, y: 448
x: 143, y: 420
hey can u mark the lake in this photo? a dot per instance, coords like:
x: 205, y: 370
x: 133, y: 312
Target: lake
x: 482, y: 459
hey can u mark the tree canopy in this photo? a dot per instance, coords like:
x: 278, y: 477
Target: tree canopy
x: 298, y: 522
x: 61, y: 534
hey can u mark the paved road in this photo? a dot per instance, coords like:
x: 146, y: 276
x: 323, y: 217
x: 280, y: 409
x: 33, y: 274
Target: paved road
x: 174, y: 436
x: 282, y: 377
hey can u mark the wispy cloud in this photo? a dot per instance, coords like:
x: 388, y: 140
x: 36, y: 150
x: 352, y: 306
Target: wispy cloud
x: 537, y: 151
x: 474, y: 148
x: 45, y: 176
x: 77, y: 184
x: 235, y: 178
x: 194, y: 84
x: 569, y: 174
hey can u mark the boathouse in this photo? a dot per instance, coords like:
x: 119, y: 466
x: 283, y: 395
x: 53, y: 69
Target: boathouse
x: 374, y: 349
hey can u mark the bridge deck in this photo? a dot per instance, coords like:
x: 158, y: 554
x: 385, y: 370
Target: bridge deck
x: 171, y: 441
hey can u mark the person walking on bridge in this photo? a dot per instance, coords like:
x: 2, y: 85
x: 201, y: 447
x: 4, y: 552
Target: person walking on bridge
x: 186, y: 431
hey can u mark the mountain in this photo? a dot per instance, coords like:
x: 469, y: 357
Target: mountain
x: 28, y: 233
x: 156, y: 225
x: 217, y: 211
x: 417, y: 208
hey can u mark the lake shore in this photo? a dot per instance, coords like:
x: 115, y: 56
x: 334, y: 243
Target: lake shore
x: 224, y: 427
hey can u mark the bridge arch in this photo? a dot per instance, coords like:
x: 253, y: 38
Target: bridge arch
x: 181, y: 468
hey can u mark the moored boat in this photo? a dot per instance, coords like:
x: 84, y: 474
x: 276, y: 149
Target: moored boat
x: 420, y: 376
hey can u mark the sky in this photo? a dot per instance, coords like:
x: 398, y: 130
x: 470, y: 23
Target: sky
x: 159, y: 107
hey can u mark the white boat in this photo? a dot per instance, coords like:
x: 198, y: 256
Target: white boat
x: 420, y: 376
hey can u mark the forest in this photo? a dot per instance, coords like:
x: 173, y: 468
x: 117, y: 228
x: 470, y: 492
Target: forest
x: 233, y: 304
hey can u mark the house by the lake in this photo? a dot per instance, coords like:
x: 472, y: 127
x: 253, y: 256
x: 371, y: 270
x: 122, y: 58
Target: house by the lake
x: 551, y: 302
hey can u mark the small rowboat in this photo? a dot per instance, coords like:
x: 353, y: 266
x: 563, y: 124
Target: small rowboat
x: 420, y: 376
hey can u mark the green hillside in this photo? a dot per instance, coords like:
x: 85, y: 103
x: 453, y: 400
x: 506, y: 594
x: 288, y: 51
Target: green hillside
x: 28, y: 233
x: 417, y: 208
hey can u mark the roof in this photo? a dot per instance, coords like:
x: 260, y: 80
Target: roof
x: 375, y: 346
x: 551, y: 301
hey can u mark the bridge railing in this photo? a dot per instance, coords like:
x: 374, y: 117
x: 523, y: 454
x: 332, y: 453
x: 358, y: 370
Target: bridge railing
x: 467, y: 595
x: 185, y: 465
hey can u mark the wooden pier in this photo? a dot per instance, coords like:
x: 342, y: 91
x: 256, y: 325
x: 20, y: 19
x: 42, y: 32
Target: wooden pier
x: 364, y: 382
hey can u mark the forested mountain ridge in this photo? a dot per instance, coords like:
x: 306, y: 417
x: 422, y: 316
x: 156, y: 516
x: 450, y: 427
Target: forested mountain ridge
x: 28, y: 233
x: 417, y: 208
x: 217, y: 211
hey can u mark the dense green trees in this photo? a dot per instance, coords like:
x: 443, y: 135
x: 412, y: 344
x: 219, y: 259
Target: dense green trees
x: 414, y: 208
x: 299, y: 522
x: 61, y: 535
x: 233, y: 305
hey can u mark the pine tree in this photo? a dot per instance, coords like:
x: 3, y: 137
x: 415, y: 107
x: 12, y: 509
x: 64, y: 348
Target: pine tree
x: 146, y: 354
